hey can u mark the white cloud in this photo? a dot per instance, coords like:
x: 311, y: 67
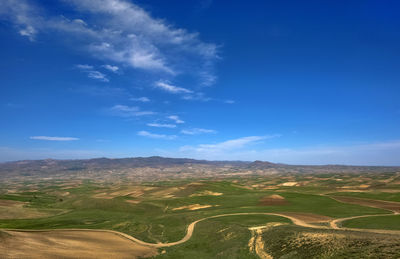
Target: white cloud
x: 29, y: 32
x: 172, y: 88
x: 176, y: 119
x: 140, y: 99
x: 129, y: 111
x: 98, y: 75
x: 84, y: 67
x: 225, y: 146
x: 111, y: 68
x: 121, y: 32
x: 91, y: 73
x: 155, y: 136
x: 161, y: 125
x: 197, y: 131
x: 53, y: 138
x: 197, y: 97
x: 187, y: 94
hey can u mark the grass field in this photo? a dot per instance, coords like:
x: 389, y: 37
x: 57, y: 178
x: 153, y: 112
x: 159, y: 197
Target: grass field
x: 386, y: 222
x: 159, y: 212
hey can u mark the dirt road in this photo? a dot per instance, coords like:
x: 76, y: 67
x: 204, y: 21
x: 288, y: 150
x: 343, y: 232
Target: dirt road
x: 333, y: 224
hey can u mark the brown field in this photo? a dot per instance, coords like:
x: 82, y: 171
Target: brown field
x: 134, y: 192
x: 387, y: 205
x: 194, y: 207
x: 273, y: 200
x: 308, y: 217
x: 69, y: 244
x: 16, y: 210
x: 206, y: 193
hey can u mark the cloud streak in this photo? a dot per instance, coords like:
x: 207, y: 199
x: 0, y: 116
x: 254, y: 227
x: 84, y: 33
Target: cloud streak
x: 176, y: 119
x: 197, y: 131
x: 47, y: 138
x: 147, y: 134
x: 140, y: 99
x: 229, y: 145
x: 91, y: 73
x: 111, y: 68
x: 161, y: 125
x: 172, y: 88
x: 129, y: 111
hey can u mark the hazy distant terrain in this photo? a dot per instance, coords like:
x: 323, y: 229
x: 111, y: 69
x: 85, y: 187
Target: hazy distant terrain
x: 157, y: 168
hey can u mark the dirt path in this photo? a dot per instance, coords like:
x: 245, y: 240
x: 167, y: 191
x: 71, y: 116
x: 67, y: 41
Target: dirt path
x: 256, y: 242
x: 390, y: 206
x: 189, y: 231
x: 334, y: 224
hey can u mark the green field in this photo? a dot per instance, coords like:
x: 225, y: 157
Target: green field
x: 160, y: 212
x: 386, y: 222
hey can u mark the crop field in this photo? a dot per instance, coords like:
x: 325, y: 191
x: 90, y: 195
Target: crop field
x: 278, y: 216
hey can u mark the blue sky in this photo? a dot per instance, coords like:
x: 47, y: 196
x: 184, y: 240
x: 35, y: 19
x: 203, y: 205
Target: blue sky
x: 300, y: 82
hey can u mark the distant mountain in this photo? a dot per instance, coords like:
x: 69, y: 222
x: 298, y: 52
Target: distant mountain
x: 162, y: 166
x: 108, y: 163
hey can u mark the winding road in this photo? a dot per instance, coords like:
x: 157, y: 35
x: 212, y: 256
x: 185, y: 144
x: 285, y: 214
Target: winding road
x: 334, y: 224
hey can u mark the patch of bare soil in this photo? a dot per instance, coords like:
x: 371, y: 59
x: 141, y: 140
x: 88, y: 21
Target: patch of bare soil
x: 193, y: 207
x: 289, y: 184
x: 273, y: 200
x: 352, y: 190
x: 206, y: 193
x: 10, y: 203
x: 358, y: 188
x: 387, y: 205
x: 132, y: 192
x: 133, y: 201
x: 16, y: 210
x: 70, y: 244
x: 308, y: 217
x: 167, y: 193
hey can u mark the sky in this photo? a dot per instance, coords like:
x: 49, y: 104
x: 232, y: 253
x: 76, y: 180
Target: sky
x: 298, y: 82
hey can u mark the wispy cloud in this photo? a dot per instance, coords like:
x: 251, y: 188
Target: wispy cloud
x: 98, y: 75
x: 186, y: 94
x: 229, y: 101
x: 111, y: 68
x: 129, y: 111
x: 91, y: 73
x: 84, y: 67
x: 172, y: 88
x: 228, y: 145
x: 121, y: 32
x: 161, y: 125
x: 155, y: 136
x: 53, y: 138
x: 197, y: 131
x: 197, y: 96
x: 176, y: 119
x: 140, y: 99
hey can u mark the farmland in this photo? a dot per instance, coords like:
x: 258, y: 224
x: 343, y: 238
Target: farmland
x: 268, y: 216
